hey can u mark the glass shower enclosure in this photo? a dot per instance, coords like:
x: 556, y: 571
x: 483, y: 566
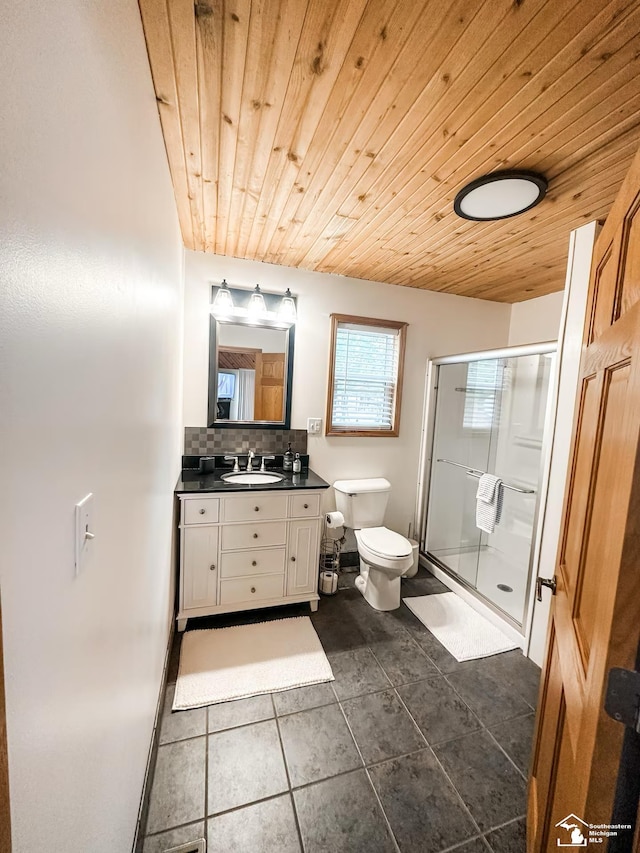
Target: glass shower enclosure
x: 488, y: 414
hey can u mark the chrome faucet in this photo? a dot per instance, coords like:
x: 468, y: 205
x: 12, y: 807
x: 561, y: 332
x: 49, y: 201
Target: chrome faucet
x: 250, y: 456
x: 236, y: 467
x: 263, y: 467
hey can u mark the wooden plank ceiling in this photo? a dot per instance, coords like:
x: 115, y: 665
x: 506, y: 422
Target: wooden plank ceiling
x: 333, y: 135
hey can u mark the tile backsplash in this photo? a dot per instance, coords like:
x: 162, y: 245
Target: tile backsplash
x: 202, y: 441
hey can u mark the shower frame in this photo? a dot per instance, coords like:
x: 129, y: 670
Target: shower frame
x: 519, y: 632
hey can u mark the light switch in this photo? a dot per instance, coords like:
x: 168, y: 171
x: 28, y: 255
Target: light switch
x: 314, y: 426
x: 84, y: 531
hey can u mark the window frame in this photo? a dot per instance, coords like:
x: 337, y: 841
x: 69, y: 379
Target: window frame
x: 401, y: 327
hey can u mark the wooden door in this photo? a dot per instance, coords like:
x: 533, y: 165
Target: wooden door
x: 269, y: 405
x: 595, y: 618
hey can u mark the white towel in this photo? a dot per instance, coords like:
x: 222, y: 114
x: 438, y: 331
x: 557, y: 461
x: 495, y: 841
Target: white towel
x: 488, y: 502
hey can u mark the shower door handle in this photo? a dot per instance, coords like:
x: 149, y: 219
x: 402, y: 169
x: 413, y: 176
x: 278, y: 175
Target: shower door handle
x: 550, y: 582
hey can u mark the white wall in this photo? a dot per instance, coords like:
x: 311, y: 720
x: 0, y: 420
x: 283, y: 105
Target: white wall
x: 439, y: 324
x: 90, y: 372
x: 536, y: 320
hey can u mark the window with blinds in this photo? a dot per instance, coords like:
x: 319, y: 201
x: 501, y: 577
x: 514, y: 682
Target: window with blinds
x: 366, y: 376
x: 484, y: 380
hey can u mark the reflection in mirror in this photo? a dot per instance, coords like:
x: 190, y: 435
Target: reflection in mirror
x: 250, y: 358
x: 251, y: 373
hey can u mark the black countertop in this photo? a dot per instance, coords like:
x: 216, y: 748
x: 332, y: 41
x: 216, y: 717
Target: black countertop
x: 193, y: 481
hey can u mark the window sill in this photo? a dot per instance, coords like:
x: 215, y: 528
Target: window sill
x: 363, y: 433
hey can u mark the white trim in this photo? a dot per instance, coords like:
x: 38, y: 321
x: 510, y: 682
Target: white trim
x: 505, y: 352
x: 574, y: 306
x: 541, y: 502
x: 279, y: 601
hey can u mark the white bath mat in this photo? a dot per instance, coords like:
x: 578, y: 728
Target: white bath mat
x: 221, y: 664
x: 460, y: 628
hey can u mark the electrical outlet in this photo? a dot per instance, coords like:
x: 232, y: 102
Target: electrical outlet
x: 314, y: 426
x: 84, y: 531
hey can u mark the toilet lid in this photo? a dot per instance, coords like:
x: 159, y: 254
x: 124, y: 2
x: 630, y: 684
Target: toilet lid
x: 385, y: 542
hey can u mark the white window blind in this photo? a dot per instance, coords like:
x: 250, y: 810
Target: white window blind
x: 484, y: 380
x: 365, y: 377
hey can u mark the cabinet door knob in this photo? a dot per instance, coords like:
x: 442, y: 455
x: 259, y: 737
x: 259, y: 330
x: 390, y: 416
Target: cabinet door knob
x: 256, y: 509
x: 254, y: 563
x: 212, y: 567
x: 293, y: 559
x: 255, y: 535
x: 202, y: 511
x: 306, y: 506
x: 253, y: 589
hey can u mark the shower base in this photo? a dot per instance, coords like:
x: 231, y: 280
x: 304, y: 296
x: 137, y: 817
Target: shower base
x: 488, y: 572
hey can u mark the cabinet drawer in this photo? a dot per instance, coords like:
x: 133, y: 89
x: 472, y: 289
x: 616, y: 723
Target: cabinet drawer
x: 251, y: 589
x: 304, y: 506
x: 265, y: 535
x: 200, y: 510
x: 242, y: 563
x: 255, y: 507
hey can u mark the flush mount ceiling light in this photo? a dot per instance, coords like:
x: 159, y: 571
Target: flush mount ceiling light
x: 500, y: 195
x: 223, y: 302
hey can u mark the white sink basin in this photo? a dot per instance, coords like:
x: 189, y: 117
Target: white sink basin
x: 252, y: 478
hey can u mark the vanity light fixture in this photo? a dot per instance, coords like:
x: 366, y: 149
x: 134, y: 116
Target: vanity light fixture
x: 223, y: 302
x: 287, y: 310
x: 256, y: 308
x: 500, y: 195
x: 252, y: 307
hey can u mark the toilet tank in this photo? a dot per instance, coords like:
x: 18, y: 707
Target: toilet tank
x: 362, y: 502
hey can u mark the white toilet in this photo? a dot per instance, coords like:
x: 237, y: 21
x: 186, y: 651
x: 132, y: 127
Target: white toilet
x: 384, y: 555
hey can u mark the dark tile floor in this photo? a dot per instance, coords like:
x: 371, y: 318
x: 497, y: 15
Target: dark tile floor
x: 407, y: 750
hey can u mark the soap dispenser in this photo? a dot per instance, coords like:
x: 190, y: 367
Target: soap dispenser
x: 287, y: 459
x: 297, y: 464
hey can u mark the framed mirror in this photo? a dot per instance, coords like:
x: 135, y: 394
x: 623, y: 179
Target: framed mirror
x: 250, y: 366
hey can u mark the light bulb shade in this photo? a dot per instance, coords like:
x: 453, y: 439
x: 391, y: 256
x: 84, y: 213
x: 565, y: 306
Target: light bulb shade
x: 223, y: 301
x: 500, y: 195
x: 256, y: 303
x: 287, y: 310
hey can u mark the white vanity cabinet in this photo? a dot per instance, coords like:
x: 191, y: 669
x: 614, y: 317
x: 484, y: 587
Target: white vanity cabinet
x: 246, y: 550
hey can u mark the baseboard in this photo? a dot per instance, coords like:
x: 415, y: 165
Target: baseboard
x: 153, y: 748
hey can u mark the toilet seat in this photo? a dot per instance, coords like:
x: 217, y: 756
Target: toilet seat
x: 393, y: 565
x: 385, y: 543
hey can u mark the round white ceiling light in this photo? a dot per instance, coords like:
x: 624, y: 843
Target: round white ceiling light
x: 500, y: 195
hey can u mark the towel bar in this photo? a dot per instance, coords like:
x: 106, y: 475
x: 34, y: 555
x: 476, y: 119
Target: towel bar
x: 474, y: 472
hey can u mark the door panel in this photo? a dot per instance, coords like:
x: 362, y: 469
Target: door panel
x: 595, y: 617
x: 269, y: 404
x: 587, y: 596
x: 630, y: 260
x: 605, y: 293
x: 302, y: 562
x: 579, y: 495
x: 200, y: 575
